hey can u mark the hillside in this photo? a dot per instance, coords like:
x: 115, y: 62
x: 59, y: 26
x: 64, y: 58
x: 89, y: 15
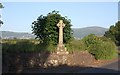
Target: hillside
x: 77, y: 33
x: 81, y: 32
x: 19, y: 35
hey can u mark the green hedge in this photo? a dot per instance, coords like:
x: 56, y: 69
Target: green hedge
x: 100, y: 47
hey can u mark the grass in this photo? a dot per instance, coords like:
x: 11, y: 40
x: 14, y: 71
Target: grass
x: 75, y: 45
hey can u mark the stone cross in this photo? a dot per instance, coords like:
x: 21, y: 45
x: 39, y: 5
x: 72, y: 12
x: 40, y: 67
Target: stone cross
x: 61, y: 25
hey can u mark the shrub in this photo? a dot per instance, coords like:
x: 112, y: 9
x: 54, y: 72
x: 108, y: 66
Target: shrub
x: 100, y: 47
x: 75, y: 45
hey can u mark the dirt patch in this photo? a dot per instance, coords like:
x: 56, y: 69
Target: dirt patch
x: 81, y: 58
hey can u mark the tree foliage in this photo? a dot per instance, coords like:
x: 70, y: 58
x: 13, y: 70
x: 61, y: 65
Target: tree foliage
x: 45, y: 28
x: 1, y: 6
x: 114, y: 33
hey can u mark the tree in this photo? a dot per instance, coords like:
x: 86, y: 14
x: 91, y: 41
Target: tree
x: 114, y: 33
x: 111, y: 33
x: 1, y: 6
x: 117, y: 32
x: 45, y: 28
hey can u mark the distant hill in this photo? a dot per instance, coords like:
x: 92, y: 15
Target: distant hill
x: 19, y: 35
x: 77, y: 33
x: 82, y: 32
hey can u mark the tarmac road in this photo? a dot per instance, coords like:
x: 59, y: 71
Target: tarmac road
x: 0, y: 64
x: 113, y: 66
x: 109, y: 68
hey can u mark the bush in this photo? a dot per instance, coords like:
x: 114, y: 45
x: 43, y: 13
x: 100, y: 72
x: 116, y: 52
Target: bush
x: 105, y: 50
x: 75, y: 45
x: 100, y: 47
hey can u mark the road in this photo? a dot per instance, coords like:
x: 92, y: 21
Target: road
x: 109, y: 68
x: 0, y: 64
x: 113, y: 66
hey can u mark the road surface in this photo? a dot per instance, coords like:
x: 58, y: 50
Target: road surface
x: 109, y: 68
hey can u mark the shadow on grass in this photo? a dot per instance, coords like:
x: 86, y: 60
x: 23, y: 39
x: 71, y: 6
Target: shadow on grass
x: 15, y: 62
x: 21, y: 54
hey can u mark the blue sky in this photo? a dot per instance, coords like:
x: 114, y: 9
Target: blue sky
x: 18, y: 16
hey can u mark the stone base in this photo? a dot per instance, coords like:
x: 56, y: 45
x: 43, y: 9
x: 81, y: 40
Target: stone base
x: 59, y: 57
x: 56, y: 59
x: 61, y: 49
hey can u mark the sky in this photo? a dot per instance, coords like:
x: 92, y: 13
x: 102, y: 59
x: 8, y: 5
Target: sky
x: 59, y: 0
x: 18, y: 16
